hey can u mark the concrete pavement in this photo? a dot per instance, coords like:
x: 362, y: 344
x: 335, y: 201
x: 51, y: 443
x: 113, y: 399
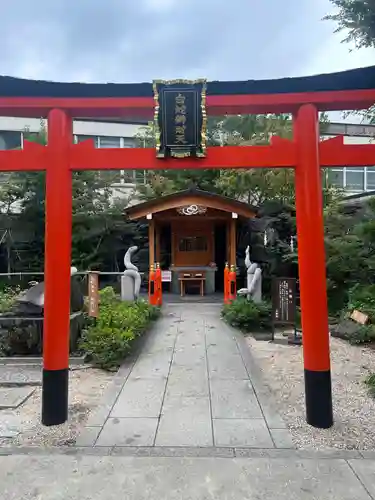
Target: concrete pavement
x: 94, y: 476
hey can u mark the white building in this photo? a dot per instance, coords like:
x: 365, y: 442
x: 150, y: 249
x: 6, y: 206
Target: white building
x: 353, y: 180
x: 105, y: 135
x: 110, y: 134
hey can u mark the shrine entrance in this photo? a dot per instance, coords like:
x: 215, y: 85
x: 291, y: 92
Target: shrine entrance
x: 192, y: 234
x: 302, y: 97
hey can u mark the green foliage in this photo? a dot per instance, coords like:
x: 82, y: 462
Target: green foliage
x: 247, y: 316
x: 350, y: 255
x: 7, y: 298
x: 364, y: 335
x: 100, y: 232
x: 357, y: 19
x: 256, y: 185
x: 21, y: 338
x: 250, y: 185
x: 164, y: 182
x: 370, y: 383
x: 362, y: 298
x: 107, y: 340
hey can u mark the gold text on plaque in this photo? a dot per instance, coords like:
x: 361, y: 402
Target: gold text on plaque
x: 180, y: 118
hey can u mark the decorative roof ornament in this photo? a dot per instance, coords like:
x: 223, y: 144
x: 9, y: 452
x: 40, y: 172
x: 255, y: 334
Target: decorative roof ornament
x: 192, y: 210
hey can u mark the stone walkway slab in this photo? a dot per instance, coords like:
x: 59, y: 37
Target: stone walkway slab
x: 234, y: 399
x: 185, y: 421
x: 14, y: 375
x: 13, y: 397
x: 140, y: 398
x: 365, y: 471
x: 10, y: 424
x: 154, y: 365
x: 233, y: 432
x: 194, y: 384
x: 128, y: 432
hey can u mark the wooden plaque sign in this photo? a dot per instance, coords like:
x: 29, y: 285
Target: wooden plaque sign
x: 93, y: 295
x: 166, y: 276
x: 284, y: 301
x: 180, y: 118
x: 359, y: 317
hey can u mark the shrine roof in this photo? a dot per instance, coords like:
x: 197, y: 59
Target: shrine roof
x: 190, y: 197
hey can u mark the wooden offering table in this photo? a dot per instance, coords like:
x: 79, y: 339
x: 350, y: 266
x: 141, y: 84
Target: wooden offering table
x: 192, y: 277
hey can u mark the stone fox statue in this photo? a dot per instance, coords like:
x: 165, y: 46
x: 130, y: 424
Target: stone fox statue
x: 254, y: 280
x: 132, y: 271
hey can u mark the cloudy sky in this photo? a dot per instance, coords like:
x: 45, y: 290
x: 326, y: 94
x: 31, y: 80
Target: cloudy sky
x: 139, y: 40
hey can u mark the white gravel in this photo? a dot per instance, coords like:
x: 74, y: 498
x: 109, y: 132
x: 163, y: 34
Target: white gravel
x: 354, y: 409
x: 86, y: 387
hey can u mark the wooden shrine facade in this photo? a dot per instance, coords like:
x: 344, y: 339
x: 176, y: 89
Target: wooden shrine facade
x: 192, y: 231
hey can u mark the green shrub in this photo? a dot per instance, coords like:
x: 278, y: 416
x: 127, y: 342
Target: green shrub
x: 247, y: 316
x: 108, y: 339
x: 363, y: 335
x: 370, y: 382
x: 362, y: 298
x: 7, y: 298
x: 20, y: 338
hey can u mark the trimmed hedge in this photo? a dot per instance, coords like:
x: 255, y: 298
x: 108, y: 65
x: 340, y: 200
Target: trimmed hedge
x: 108, y: 339
x: 248, y: 316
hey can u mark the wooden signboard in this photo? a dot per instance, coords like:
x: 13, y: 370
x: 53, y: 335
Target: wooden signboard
x: 180, y: 118
x: 166, y: 276
x: 359, y: 317
x: 93, y: 295
x: 284, y: 301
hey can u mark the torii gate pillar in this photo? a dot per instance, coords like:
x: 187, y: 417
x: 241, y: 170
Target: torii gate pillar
x: 312, y: 269
x: 57, y: 259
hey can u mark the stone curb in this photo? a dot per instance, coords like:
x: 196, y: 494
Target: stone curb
x: 12, y: 385
x: 35, y: 361
x: 190, y: 452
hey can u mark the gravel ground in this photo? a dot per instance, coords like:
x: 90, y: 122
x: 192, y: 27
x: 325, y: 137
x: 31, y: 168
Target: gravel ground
x: 354, y: 409
x: 86, y: 387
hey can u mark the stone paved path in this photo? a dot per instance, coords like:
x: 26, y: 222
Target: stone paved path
x: 83, y: 477
x: 194, y: 384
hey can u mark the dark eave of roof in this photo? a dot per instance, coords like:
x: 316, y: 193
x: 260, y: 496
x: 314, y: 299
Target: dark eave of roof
x: 358, y: 196
x: 355, y: 79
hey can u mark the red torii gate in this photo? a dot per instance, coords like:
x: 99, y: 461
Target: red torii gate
x: 303, y: 97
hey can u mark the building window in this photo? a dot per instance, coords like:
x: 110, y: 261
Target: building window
x: 193, y: 244
x: 355, y: 179
x: 127, y: 176
x: 81, y: 138
x: 123, y: 176
x: 336, y: 177
x: 370, y: 184
x: 128, y: 142
x: 109, y: 142
x: 10, y: 140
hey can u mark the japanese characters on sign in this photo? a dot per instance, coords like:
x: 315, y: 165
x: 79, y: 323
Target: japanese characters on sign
x: 359, y: 317
x: 166, y: 276
x: 180, y: 118
x: 93, y: 295
x: 284, y: 301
